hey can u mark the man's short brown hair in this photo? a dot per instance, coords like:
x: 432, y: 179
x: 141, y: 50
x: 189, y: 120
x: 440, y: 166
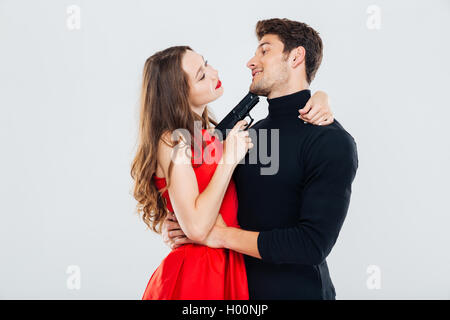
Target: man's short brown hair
x: 294, y: 34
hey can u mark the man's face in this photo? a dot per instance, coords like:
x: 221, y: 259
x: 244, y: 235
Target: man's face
x: 269, y: 66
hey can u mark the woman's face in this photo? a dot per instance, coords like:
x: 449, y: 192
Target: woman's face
x: 204, y: 83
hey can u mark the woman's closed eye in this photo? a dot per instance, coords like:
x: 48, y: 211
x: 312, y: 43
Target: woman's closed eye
x: 203, y: 77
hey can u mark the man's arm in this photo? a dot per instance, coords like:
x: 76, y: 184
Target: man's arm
x: 239, y: 240
x: 330, y: 167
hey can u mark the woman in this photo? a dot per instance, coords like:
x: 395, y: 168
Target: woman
x: 175, y: 92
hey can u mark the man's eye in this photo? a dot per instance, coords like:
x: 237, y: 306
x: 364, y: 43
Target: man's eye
x: 203, y: 77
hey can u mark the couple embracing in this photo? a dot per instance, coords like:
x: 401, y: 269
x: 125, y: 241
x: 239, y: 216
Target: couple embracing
x: 241, y: 229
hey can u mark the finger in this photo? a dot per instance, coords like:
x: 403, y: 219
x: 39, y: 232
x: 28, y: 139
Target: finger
x: 302, y: 118
x: 315, y: 119
x: 173, y: 245
x: 173, y: 225
x: 312, y: 113
x: 176, y: 233
x: 183, y: 240
x: 170, y: 225
x: 244, y: 133
x: 306, y: 108
x: 177, y: 245
x: 328, y: 121
x: 171, y: 217
x: 167, y: 220
x: 322, y: 120
x: 239, y: 125
x: 248, y: 142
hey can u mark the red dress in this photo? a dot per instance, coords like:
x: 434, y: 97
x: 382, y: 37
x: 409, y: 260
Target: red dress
x: 197, y: 272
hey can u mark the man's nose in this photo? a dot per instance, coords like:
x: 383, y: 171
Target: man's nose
x: 251, y: 63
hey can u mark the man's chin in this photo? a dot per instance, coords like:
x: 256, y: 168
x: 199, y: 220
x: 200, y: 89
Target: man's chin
x: 258, y: 90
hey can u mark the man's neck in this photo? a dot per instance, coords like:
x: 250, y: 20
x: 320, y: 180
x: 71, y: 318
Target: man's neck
x: 287, y: 89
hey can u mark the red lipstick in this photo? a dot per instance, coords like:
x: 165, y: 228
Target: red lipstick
x: 219, y: 84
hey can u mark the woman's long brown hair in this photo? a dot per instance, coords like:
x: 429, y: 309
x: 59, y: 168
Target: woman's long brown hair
x: 164, y: 107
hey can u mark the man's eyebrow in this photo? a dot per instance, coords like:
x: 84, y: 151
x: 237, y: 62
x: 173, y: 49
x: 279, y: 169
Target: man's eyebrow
x: 263, y: 44
x: 199, y: 69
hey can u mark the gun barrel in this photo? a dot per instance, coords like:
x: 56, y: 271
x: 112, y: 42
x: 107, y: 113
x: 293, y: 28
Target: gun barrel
x: 238, y: 113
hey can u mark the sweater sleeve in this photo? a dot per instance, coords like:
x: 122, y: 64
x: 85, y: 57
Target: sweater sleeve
x: 330, y: 163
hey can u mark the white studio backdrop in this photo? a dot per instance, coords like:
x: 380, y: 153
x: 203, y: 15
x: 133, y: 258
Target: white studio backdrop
x: 70, y: 75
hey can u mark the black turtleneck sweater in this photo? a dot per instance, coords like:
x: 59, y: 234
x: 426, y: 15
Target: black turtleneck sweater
x: 299, y: 207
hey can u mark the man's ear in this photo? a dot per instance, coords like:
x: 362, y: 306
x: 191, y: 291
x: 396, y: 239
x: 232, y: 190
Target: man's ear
x: 298, y: 56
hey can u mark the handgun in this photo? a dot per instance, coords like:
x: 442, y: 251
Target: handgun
x: 238, y: 113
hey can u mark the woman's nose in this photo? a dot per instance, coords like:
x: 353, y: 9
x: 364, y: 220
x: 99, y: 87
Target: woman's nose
x: 214, y: 73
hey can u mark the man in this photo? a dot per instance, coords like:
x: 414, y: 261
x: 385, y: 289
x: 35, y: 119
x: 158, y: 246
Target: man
x: 290, y: 217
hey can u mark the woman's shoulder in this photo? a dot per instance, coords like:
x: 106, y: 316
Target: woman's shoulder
x: 169, y: 150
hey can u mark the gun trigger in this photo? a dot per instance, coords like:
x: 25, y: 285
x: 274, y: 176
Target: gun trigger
x: 248, y: 126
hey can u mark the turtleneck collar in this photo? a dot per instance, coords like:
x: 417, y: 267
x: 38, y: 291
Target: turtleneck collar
x: 288, y: 105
